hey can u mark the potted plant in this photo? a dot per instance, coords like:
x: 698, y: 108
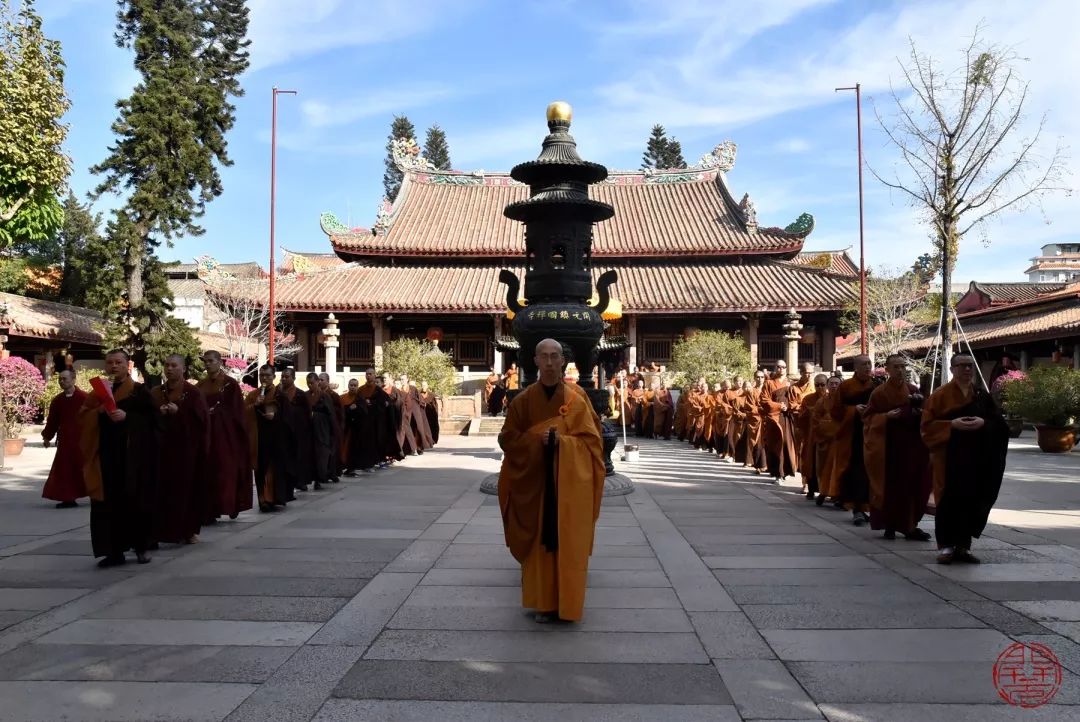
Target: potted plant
x: 1015, y: 421
x: 21, y: 390
x: 1050, y: 398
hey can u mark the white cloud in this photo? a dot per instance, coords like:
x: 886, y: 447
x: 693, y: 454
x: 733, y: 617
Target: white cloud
x: 793, y: 145
x: 323, y: 113
x: 284, y: 30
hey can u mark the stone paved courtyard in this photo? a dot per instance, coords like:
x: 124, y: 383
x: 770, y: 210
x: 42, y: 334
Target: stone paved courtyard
x: 712, y: 596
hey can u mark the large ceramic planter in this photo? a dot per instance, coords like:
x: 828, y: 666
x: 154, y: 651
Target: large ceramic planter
x: 1056, y: 439
x: 1016, y: 426
x: 14, y: 447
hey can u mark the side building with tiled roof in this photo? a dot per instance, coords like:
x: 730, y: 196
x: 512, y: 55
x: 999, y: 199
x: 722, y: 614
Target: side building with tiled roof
x: 688, y: 256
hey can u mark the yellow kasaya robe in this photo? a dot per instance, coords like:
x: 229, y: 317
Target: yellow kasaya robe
x: 896, y: 458
x: 805, y: 433
x: 848, y: 470
x: 798, y: 391
x: 682, y: 408
x: 551, y: 581
x: 823, y: 431
x: 662, y: 413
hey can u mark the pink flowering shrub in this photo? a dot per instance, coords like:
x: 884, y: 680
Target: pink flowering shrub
x: 1008, y: 376
x: 234, y: 362
x: 21, y: 390
x: 245, y: 388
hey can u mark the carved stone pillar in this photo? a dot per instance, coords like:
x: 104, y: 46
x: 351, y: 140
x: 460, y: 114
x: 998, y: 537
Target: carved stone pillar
x: 377, y: 341
x: 792, y: 334
x: 497, y: 362
x: 631, y: 336
x: 330, y: 333
x: 828, y: 348
x: 752, y: 322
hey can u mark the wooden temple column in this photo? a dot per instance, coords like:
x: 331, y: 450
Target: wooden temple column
x: 497, y: 360
x: 752, y: 322
x: 792, y: 334
x: 828, y: 348
x: 631, y: 336
x: 378, y: 338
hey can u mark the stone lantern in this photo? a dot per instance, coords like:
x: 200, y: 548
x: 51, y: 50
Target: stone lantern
x: 330, y: 339
x: 792, y: 336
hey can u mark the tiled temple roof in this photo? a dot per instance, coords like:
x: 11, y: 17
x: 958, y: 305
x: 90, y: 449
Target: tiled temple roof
x: 661, y: 214
x: 835, y: 261
x: 47, y: 319
x: 681, y: 286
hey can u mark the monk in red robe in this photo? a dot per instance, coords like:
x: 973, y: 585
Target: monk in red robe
x: 550, y: 487
x: 228, y: 462
x: 268, y: 448
x: 897, y: 461
x: 65, y: 483
x: 849, y: 469
x: 968, y: 441
x: 183, y: 443
x: 294, y: 407
x: 120, y: 465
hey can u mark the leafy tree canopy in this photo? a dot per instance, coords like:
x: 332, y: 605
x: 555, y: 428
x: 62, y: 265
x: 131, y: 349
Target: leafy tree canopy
x: 713, y: 354
x: 436, y: 149
x: 400, y: 127
x: 421, y: 361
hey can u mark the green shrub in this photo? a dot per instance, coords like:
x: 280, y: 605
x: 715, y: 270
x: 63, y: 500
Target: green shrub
x: 1050, y: 395
x: 52, y: 386
x: 713, y: 354
x: 421, y: 361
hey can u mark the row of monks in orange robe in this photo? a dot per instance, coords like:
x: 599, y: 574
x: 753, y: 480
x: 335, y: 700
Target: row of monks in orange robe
x: 868, y: 443
x: 159, y: 464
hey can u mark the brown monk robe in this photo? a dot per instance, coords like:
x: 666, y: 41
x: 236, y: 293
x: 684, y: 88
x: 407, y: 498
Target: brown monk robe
x: 510, y: 378
x: 663, y: 412
x: 736, y: 420
x: 849, y: 469
x: 750, y: 449
x: 648, y: 421
x: 228, y: 462
x: 429, y: 402
x: 550, y: 487
x: 119, y: 450
x: 268, y: 446
x: 682, y: 414
x: 323, y: 438
x: 695, y: 419
x: 897, y: 462
x: 337, y: 428
x: 797, y: 391
x: 400, y: 421
x: 349, y: 408
x: 65, y: 483
x: 493, y: 379
x: 721, y: 418
x: 776, y: 434
x: 968, y: 441
x: 638, y: 408
x: 823, y: 431
x: 294, y: 408
x: 417, y: 418
x: 183, y: 444
x: 804, y: 431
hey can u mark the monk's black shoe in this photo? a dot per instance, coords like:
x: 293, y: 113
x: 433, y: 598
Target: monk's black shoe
x: 859, y: 518
x: 142, y: 558
x: 966, y: 557
x: 810, y: 495
x: 917, y: 534
x: 889, y: 534
x: 820, y: 501
x: 113, y: 560
x: 67, y: 505
x: 945, y: 556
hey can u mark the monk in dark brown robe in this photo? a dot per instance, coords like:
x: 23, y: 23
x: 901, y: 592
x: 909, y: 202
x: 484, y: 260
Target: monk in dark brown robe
x: 968, y: 441
x: 349, y: 409
x: 337, y: 429
x: 682, y: 409
x: 370, y: 426
x: 823, y: 433
x: 663, y: 413
x: 550, y: 488
x: 65, y: 482
x: 404, y: 442
x: 804, y: 430
x: 776, y: 431
x: 228, y: 463
x: 323, y: 437
x: 417, y: 418
x: 751, y: 450
x: 183, y: 443
x: 897, y: 461
x: 268, y: 446
x: 120, y: 465
x: 849, y: 470
x: 429, y: 403
x: 295, y: 410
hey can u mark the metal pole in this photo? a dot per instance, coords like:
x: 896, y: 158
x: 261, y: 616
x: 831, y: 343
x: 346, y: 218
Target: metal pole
x: 862, y: 250
x: 273, y: 187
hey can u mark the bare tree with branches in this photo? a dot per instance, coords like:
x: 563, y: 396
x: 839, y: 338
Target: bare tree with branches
x: 965, y: 155
x: 897, y: 309
x: 245, y: 320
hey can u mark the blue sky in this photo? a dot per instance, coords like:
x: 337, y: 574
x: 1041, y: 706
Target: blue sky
x: 761, y: 74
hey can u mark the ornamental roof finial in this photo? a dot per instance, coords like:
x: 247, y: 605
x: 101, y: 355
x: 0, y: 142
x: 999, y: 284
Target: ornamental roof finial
x: 560, y: 112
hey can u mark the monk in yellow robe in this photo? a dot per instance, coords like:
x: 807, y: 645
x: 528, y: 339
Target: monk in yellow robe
x: 682, y: 408
x: 804, y: 431
x: 968, y: 441
x: 823, y: 434
x: 550, y: 486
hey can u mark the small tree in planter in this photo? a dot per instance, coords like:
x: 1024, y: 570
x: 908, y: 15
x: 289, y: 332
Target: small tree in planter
x: 21, y: 390
x: 1015, y: 421
x: 1050, y: 398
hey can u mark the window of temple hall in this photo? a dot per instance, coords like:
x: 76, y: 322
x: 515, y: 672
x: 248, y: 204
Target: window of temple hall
x: 656, y: 349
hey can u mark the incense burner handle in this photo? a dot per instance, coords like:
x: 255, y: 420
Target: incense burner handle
x: 513, y: 285
x: 607, y: 278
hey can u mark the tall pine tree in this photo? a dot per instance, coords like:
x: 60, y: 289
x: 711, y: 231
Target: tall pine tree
x: 673, y: 157
x: 170, y: 139
x: 436, y: 149
x: 92, y: 273
x: 401, y: 127
x: 655, y: 154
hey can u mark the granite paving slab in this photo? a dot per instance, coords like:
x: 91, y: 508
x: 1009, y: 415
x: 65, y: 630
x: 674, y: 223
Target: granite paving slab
x: 1050, y: 610
x: 343, y: 710
x: 359, y: 621
x: 11, y: 617
x: 832, y: 549
x: 182, y: 632
x: 120, y: 701
x: 764, y: 689
x: 1025, y: 591
x: 1000, y: 617
x: 729, y: 635
x: 356, y: 550
x: 541, y: 682
x: 141, y: 663
x: 250, y: 608
x: 884, y: 615
x: 947, y: 713
x: 837, y: 596
x: 293, y: 569
x: 449, y: 646
x: 622, y: 597
x: 793, y: 562
x: 259, y: 586
x: 1009, y: 572
x: 37, y: 599
x: 91, y: 578
x: 872, y: 577
x: 515, y: 618
x: 887, y: 645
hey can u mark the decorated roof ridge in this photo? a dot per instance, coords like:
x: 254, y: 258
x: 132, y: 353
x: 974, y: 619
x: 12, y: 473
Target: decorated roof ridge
x: 1071, y: 290
x: 310, y: 254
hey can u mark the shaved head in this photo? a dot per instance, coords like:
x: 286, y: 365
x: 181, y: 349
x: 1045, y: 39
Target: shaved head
x: 548, y: 343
